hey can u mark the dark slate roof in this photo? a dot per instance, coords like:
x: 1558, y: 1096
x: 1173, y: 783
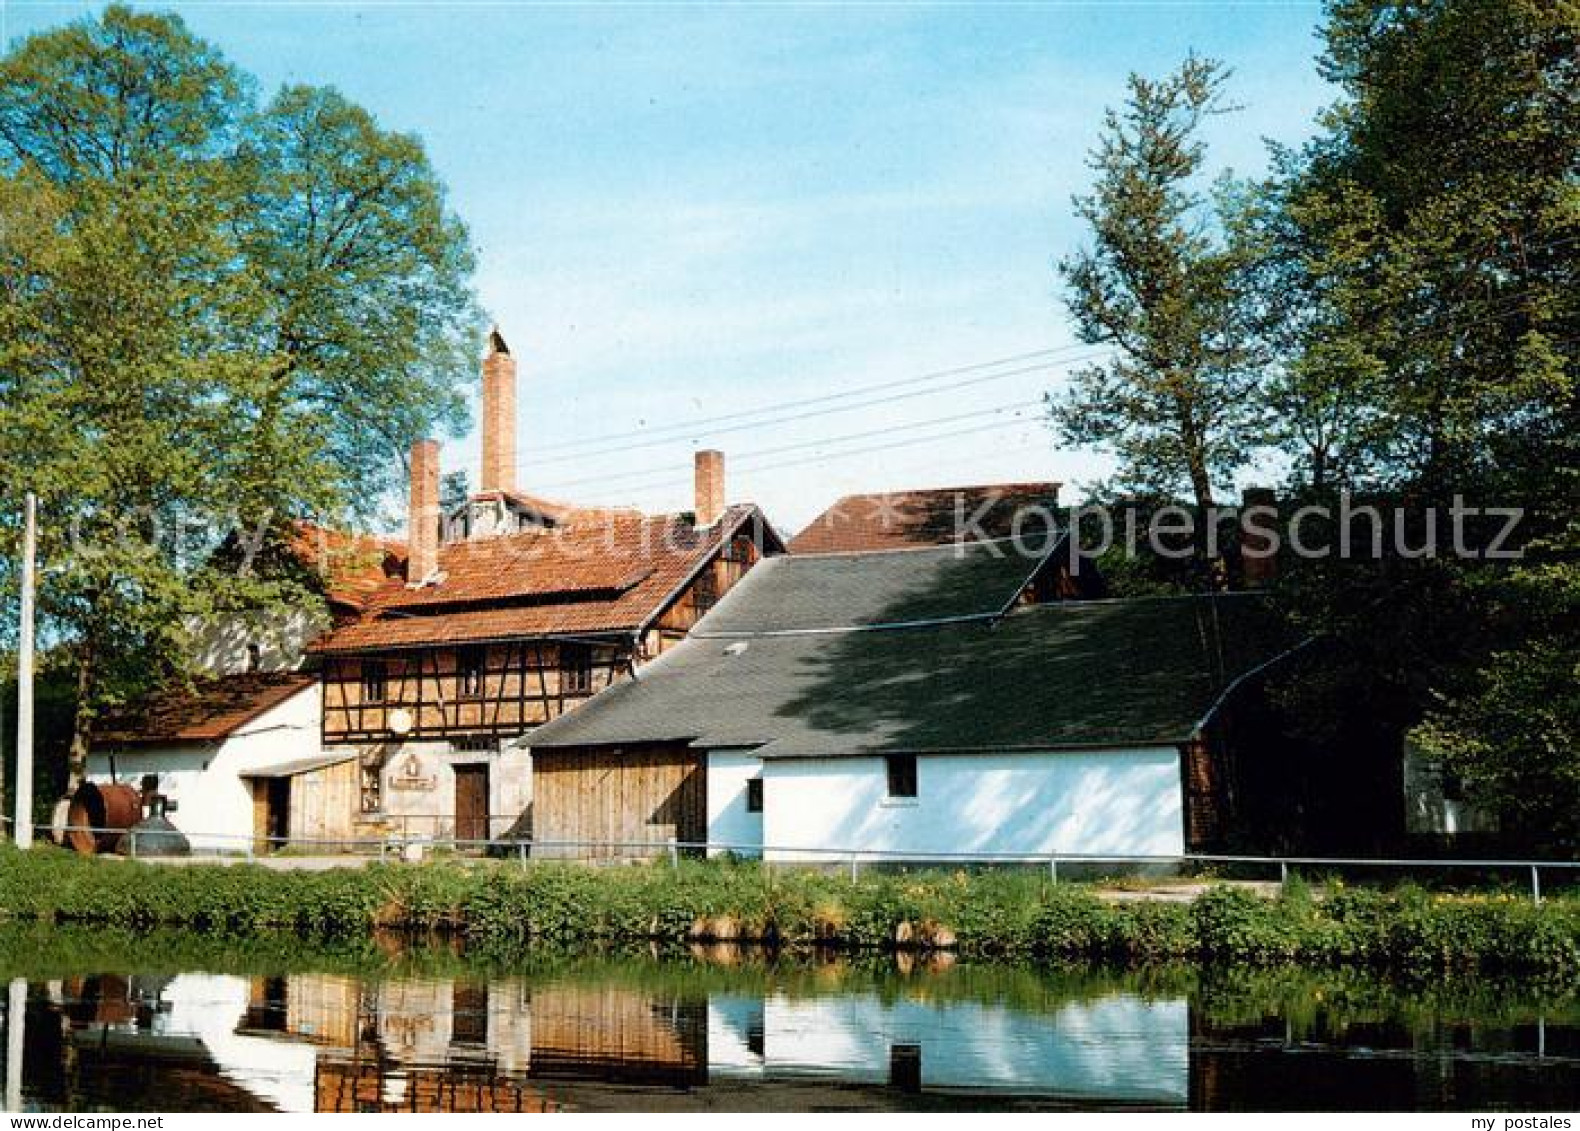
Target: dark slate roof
x: 1076, y: 674
x: 799, y: 593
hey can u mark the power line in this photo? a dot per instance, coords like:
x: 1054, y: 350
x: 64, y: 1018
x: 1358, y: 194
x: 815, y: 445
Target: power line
x: 1503, y: 308
x: 679, y: 482
x: 802, y: 402
x: 893, y: 398
x: 805, y: 444
x: 996, y: 426
x: 1506, y: 307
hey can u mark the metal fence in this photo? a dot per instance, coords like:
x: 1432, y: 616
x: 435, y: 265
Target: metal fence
x: 230, y: 846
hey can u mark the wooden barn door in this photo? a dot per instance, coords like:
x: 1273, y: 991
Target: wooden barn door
x: 629, y: 800
x: 471, y: 802
x: 271, y: 813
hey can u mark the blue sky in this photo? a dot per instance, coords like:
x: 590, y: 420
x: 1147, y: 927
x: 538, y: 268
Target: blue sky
x: 686, y: 212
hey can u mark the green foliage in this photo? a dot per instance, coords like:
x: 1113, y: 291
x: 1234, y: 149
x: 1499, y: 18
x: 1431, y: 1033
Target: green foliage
x: 1418, y: 273
x: 1159, y: 283
x: 501, y: 908
x: 1406, y: 288
x: 216, y: 317
x: 1514, y: 739
x: 1423, y: 247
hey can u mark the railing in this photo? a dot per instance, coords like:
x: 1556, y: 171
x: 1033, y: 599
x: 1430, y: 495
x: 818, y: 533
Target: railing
x: 779, y: 856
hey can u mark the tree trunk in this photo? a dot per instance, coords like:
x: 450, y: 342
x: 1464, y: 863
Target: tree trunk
x: 1201, y: 489
x: 1200, y: 484
x: 82, y: 718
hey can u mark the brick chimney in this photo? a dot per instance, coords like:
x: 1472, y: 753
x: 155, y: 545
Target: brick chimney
x: 1258, y: 563
x: 710, y: 487
x: 499, y: 416
x: 422, y: 524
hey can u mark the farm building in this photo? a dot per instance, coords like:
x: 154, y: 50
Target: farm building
x: 438, y: 654
x: 239, y: 757
x: 238, y: 751
x: 915, y: 701
x: 508, y: 611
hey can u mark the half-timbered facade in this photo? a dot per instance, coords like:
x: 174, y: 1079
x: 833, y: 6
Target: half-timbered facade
x: 524, y: 627
x: 439, y: 684
x: 508, y: 611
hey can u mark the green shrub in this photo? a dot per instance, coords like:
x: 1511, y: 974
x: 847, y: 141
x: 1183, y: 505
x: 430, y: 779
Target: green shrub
x: 501, y: 905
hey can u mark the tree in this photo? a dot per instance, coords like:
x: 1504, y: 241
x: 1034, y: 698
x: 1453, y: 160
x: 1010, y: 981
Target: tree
x: 215, y: 319
x: 1429, y: 236
x: 1160, y: 284
x: 1515, y: 739
x: 1421, y: 262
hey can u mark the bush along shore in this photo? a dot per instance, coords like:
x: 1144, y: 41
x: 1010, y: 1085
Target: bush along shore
x: 1000, y: 914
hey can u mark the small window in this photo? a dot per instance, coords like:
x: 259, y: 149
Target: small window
x: 902, y: 774
x: 375, y: 681
x: 576, y: 669
x: 705, y: 591
x: 905, y: 1067
x: 254, y: 658
x: 471, y: 663
x: 754, y: 795
x: 372, y: 783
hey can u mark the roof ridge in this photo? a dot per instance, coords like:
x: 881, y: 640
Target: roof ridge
x: 929, y: 547
x: 844, y: 629
x: 955, y: 487
x: 1141, y: 598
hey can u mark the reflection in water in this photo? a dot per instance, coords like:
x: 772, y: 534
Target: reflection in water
x: 679, y: 1034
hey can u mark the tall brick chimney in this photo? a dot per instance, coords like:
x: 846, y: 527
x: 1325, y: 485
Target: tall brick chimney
x: 709, y: 507
x: 422, y: 524
x: 499, y: 416
x: 1258, y: 563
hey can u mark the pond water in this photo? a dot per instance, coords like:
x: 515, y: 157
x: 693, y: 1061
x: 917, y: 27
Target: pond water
x: 123, y: 1023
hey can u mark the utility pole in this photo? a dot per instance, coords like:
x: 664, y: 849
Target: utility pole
x: 24, y: 680
x: 15, y: 1042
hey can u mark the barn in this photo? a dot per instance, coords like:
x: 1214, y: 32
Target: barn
x: 914, y: 702
x: 240, y: 759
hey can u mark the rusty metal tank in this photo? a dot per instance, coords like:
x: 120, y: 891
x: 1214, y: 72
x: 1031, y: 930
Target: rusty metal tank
x: 113, y: 807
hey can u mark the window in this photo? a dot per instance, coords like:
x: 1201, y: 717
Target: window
x: 375, y: 681
x: 905, y: 1067
x: 372, y: 782
x: 471, y: 663
x: 902, y: 774
x: 705, y: 591
x: 576, y: 669
x: 754, y: 795
x: 370, y: 779
x: 469, y: 1013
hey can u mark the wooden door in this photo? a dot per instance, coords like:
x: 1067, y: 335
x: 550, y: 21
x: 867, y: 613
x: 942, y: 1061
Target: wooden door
x: 471, y: 802
x: 617, y: 802
x: 271, y: 813
x: 260, y: 815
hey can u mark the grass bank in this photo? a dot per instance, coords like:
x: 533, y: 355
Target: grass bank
x: 1014, y: 915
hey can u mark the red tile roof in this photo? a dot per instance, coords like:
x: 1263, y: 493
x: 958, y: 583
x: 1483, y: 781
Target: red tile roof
x: 613, y: 573
x: 352, y: 566
x: 897, y: 519
x: 208, y: 711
